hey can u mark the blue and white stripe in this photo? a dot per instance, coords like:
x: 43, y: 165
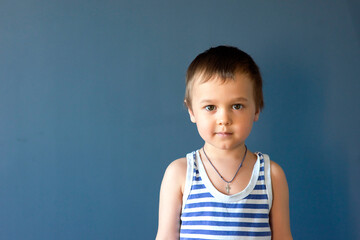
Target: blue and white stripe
x: 209, y: 214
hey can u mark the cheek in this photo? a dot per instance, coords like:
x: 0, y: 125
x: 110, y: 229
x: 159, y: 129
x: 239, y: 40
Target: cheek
x: 204, y: 128
x: 245, y: 127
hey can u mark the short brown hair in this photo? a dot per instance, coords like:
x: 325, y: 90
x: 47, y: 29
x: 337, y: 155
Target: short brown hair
x: 225, y: 62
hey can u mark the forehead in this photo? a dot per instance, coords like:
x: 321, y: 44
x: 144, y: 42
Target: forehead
x: 239, y: 86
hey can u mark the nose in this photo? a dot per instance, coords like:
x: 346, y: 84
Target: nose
x: 224, y: 118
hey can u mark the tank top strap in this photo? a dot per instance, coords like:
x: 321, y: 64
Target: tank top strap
x: 267, y: 174
x: 190, y: 173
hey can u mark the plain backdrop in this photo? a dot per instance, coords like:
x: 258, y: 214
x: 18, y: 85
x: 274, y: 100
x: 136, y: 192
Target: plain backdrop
x: 91, y: 109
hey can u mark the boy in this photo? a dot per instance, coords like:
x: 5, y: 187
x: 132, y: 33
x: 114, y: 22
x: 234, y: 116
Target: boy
x: 223, y: 190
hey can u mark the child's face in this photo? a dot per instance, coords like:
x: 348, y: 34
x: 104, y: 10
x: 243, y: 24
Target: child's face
x: 224, y: 112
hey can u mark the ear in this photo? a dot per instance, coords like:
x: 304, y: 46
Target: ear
x: 191, y: 113
x: 257, y: 114
x: 192, y: 116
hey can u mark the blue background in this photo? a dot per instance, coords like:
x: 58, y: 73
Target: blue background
x: 91, y: 109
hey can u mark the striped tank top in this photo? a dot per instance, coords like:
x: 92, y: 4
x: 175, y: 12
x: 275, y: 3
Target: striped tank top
x: 210, y: 214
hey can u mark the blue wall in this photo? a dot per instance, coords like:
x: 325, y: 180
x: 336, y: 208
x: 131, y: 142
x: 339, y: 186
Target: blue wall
x: 91, y: 109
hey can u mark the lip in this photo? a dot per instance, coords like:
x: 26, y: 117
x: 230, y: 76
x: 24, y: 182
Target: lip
x: 223, y: 134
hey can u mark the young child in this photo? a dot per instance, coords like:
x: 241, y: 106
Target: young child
x: 223, y: 190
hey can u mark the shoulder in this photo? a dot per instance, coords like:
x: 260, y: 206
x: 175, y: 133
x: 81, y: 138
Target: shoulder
x: 177, y: 167
x: 275, y: 170
x: 175, y: 173
x: 278, y: 180
x: 277, y: 173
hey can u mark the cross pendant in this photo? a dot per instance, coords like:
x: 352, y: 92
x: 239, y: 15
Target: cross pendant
x: 228, y: 188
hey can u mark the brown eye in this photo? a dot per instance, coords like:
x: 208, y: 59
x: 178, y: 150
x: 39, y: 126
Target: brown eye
x: 237, y: 106
x: 210, y: 108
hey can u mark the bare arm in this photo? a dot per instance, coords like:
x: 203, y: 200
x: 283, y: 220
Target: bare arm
x: 279, y: 215
x: 171, y: 200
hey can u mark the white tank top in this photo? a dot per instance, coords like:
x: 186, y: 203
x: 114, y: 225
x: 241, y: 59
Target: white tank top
x: 210, y: 214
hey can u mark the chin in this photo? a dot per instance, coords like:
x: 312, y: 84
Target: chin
x: 226, y: 147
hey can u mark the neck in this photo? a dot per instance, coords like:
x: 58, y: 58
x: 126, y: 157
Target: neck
x: 229, y: 155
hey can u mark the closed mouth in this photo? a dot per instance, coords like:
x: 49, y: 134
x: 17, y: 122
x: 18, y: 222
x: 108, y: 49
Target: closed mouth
x: 223, y: 133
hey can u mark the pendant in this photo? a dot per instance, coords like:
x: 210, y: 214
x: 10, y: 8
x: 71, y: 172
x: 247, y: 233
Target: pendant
x: 228, y: 188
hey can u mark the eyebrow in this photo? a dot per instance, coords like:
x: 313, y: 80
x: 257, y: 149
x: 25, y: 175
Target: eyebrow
x: 240, y: 99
